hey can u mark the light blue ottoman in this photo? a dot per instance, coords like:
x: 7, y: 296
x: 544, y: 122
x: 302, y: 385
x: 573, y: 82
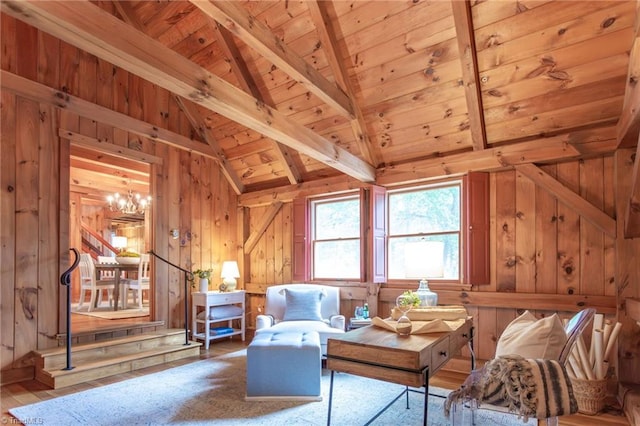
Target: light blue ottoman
x: 284, y: 366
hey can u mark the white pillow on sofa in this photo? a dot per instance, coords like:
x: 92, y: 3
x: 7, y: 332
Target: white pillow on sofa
x: 533, y: 338
x: 302, y: 305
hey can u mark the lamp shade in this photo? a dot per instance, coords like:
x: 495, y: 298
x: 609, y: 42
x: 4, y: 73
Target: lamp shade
x: 230, y: 269
x: 119, y: 242
x: 424, y: 259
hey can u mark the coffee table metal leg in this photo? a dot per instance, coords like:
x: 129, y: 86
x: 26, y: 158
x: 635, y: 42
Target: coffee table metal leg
x: 330, y: 399
x: 426, y: 397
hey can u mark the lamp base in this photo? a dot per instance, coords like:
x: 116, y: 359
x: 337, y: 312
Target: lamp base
x: 230, y: 284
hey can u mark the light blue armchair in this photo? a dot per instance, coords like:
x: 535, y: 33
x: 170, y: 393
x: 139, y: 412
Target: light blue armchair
x: 302, y: 308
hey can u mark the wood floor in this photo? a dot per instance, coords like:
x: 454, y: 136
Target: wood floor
x: 28, y: 392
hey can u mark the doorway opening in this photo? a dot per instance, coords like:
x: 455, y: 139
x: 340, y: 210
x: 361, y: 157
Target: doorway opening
x: 112, y: 235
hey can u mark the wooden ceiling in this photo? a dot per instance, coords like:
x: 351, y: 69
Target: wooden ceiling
x: 283, y: 93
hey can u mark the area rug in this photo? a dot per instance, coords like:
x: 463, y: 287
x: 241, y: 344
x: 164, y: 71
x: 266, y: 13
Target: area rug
x: 212, y: 392
x: 106, y: 312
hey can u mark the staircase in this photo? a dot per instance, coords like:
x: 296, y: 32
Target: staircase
x: 105, y: 358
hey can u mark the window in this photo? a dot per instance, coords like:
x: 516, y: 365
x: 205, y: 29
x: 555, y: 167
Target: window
x: 425, y: 214
x: 363, y: 236
x: 335, y: 238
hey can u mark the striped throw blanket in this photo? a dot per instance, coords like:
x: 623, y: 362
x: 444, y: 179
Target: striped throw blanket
x: 537, y: 388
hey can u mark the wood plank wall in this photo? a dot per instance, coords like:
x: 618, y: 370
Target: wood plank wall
x: 544, y: 256
x: 539, y: 247
x: 40, y: 218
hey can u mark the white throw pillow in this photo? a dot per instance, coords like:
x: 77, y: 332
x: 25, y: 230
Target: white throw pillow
x: 217, y: 312
x: 533, y: 338
x: 303, y: 305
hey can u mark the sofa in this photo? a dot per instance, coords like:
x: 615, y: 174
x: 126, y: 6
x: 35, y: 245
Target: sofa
x: 302, y: 308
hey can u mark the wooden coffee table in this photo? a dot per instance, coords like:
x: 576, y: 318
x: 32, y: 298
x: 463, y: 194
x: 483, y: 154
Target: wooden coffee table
x: 384, y: 355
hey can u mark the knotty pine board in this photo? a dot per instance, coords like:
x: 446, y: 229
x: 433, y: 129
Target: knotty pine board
x: 568, y: 264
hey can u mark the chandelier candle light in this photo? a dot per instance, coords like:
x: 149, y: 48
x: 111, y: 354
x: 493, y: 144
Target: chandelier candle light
x: 425, y: 259
x: 129, y: 205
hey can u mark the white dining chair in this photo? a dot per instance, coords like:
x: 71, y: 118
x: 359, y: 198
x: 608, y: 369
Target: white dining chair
x: 140, y: 284
x: 91, y: 284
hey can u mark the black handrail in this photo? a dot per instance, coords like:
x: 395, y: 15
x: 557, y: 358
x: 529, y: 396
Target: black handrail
x: 65, y: 280
x: 188, y: 276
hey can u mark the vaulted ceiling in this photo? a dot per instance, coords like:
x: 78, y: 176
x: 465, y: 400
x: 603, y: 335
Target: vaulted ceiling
x: 283, y: 93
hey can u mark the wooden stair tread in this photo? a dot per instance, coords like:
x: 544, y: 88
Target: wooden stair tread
x: 121, y: 359
x: 113, y: 328
x: 112, y: 342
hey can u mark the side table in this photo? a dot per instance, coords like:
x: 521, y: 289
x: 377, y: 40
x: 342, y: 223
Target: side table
x: 202, y: 304
x: 358, y: 322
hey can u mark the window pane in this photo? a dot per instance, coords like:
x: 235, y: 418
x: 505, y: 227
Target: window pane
x: 337, y: 219
x: 451, y: 255
x: 425, y: 211
x: 336, y: 259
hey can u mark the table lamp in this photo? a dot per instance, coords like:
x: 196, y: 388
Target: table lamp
x: 229, y: 274
x: 424, y: 259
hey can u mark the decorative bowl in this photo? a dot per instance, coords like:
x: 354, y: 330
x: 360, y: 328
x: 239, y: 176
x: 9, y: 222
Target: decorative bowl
x: 127, y: 260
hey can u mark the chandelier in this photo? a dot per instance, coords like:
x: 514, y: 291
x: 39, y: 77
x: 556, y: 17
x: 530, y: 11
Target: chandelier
x: 131, y: 204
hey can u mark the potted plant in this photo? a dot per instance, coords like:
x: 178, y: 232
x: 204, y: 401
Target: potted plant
x: 203, y: 276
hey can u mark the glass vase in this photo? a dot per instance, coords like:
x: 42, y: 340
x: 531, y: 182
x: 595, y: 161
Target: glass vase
x: 427, y: 297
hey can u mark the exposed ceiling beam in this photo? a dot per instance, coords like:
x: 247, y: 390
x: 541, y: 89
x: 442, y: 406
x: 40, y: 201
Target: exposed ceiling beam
x: 329, y: 43
x: 470, y: 77
x: 195, y: 118
x: 332, y: 185
x: 629, y: 123
x: 569, y: 198
x: 41, y: 93
x: 191, y: 112
x: 568, y: 146
x: 248, y: 84
x: 257, y: 35
x: 88, y: 27
x: 109, y: 148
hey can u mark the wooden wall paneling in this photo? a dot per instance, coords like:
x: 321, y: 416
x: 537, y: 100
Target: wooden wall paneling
x: 88, y: 66
x: 270, y: 250
x: 8, y: 43
x: 278, y: 237
x: 525, y: 234
x: 164, y: 189
x: 27, y: 51
x: 487, y: 333
x: 209, y: 240
x: 27, y: 222
x: 568, y: 260
x: 7, y: 223
x: 48, y: 60
x: 258, y: 270
x: 493, y: 234
x: 187, y: 261
x: 591, y: 238
x: 104, y: 97
x: 609, y: 187
x: 627, y: 272
x: 48, y: 222
x: 505, y: 265
x: 287, y: 243
x: 546, y: 237
x: 120, y: 90
x: 196, y: 213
